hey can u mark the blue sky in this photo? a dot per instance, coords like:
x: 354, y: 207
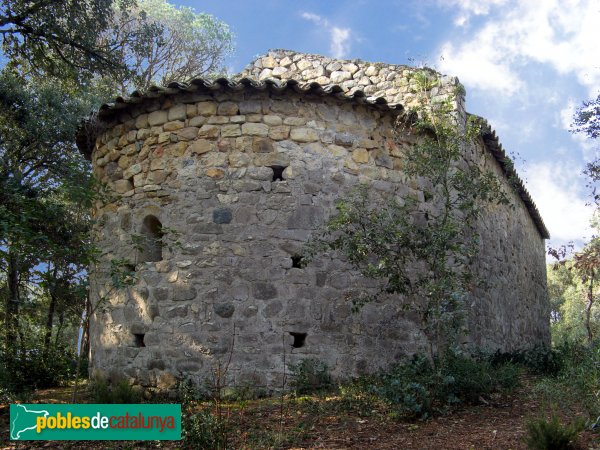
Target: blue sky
x: 526, y: 65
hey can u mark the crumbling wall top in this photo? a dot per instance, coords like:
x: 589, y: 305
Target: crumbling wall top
x: 392, y: 82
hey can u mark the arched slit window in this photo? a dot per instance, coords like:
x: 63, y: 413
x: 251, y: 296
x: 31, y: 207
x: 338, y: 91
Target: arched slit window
x: 151, y: 245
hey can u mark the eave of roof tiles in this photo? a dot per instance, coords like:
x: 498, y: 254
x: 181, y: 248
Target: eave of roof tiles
x: 493, y: 144
x: 270, y: 84
x: 489, y: 136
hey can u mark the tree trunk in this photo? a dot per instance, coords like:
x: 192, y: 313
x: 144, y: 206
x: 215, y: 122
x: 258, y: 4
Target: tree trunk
x: 11, y: 315
x: 588, y: 309
x: 61, y: 322
x: 51, y: 309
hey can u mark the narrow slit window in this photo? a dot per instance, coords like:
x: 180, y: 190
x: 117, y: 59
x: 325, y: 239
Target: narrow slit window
x: 278, y: 173
x: 297, y: 261
x: 139, y: 340
x: 299, y: 339
x: 151, y: 242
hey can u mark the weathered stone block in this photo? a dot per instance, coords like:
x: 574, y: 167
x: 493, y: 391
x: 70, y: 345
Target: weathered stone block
x: 157, y: 118
x: 141, y: 121
x: 176, y: 311
x: 224, y: 310
x: 340, y: 76
x: 222, y: 215
x: 232, y: 130
x: 161, y: 294
x: 214, y: 172
x: 197, y: 121
x: 304, y: 135
x: 250, y: 107
x: 264, y: 291
x: 273, y: 309
x: 255, y: 129
x: 228, y: 109
x: 306, y: 217
x: 279, y: 132
x: 261, y: 145
x: 202, y: 146
x: 183, y: 293
x: 207, y: 108
x: 178, y: 112
x: 208, y: 131
x: 122, y: 186
x: 133, y: 170
x: 360, y: 155
x: 187, y: 134
x: 173, y: 126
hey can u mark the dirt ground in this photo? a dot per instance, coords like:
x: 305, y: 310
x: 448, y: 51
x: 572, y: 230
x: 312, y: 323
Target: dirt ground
x: 325, y: 423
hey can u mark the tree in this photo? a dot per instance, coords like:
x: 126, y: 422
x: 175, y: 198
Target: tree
x: 587, y: 119
x: 179, y: 44
x: 64, y: 58
x: 44, y: 189
x: 421, y: 251
x: 574, y: 315
x: 52, y: 37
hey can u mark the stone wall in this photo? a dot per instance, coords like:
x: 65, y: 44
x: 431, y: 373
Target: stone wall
x: 391, y: 82
x: 204, y: 164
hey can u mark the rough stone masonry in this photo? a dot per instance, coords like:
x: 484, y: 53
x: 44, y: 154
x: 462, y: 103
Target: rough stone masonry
x: 225, y: 182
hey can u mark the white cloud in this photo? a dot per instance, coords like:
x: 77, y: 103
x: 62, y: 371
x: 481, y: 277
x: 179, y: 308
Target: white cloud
x: 339, y: 42
x: 468, y: 8
x: 312, y: 17
x: 562, y: 34
x: 567, y: 113
x: 555, y: 189
x: 588, y: 147
x: 480, y: 65
x: 339, y: 45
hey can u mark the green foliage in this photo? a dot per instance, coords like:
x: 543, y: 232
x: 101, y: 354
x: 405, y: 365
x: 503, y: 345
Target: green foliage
x: 243, y: 392
x: 418, y: 388
x: 574, y: 290
x: 187, y: 392
x: 205, y: 430
x: 116, y: 391
x: 122, y: 273
x: 539, y: 360
x: 587, y: 119
x: 36, y: 369
x: 45, y: 191
x: 310, y: 376
x: 59, y: 38
x: 357, y: 395
x: 63, y: 58
x: 162, y: 43
x: 575, y: 385
x: 386, y: 239
x: 551, y: 434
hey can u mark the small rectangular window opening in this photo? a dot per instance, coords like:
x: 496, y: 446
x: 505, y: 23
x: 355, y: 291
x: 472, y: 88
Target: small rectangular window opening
x: 139, y: 340
x: 278, y: 172
x: 299, y: 339
x: 298, y: 261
